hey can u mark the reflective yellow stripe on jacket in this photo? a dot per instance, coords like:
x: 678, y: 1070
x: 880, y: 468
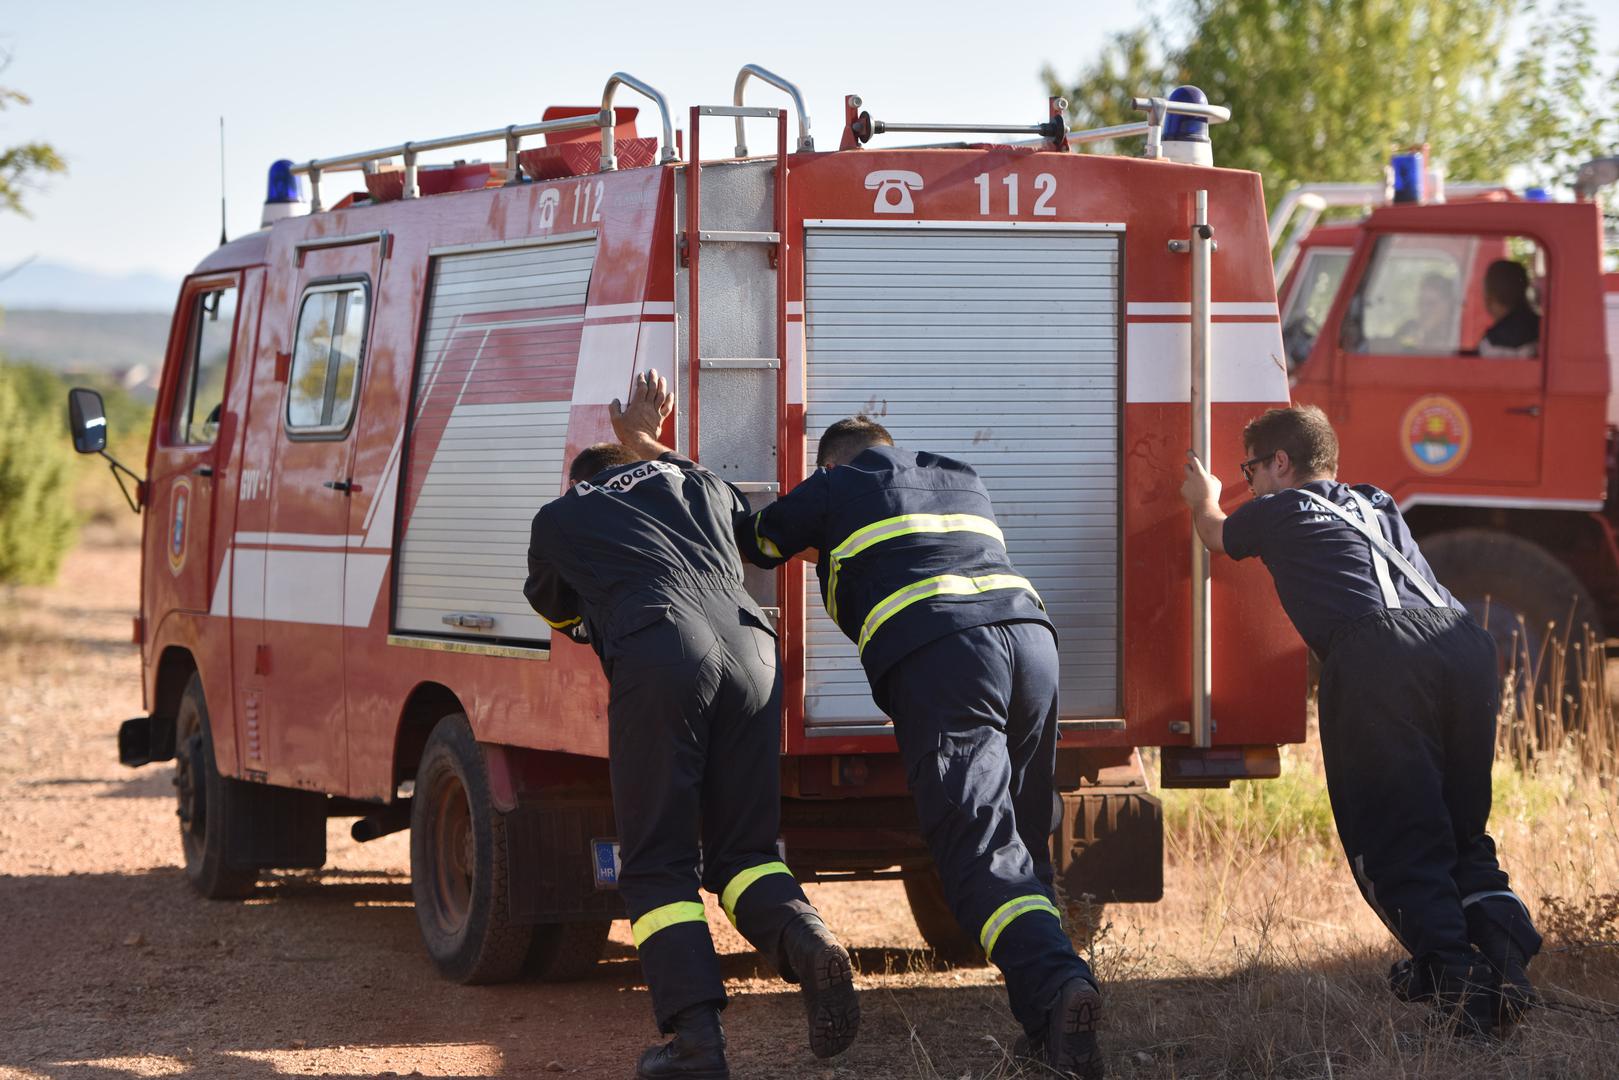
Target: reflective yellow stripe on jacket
x: 661, y: 918
x: 765, y: 545
x: 943, y: 585
x: 1003, y: 916
x: 894, y: 527
x: 575, y: 621
x: 739, y: 884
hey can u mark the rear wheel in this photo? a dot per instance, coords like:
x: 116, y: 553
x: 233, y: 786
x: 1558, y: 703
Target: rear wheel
x: 937, y: 922
x: 1501, y: 578
x: 207, y: 804
x: 459, y: 863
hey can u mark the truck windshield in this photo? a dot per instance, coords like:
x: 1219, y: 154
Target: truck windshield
x: 1313, y: 291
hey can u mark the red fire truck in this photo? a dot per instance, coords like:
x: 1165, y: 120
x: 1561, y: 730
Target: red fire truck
x: 1504, y: 465
x: 364, y: 405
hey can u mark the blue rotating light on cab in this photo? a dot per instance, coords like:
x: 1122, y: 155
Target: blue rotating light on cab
x: 1409, y: 168
x: 1186, y: 138
x: 282, y: 195
x: 1537, y: 194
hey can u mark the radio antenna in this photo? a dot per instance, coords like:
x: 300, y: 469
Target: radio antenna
x: 222, y: 237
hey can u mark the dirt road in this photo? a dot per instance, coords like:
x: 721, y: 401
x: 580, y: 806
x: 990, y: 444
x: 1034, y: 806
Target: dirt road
x: 1261, y: 962
x: 110, y: 967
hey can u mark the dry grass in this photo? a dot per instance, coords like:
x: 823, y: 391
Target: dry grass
x: 1263, y: 961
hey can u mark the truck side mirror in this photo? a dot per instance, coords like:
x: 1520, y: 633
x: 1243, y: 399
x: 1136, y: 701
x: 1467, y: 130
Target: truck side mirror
x: 87, y: 420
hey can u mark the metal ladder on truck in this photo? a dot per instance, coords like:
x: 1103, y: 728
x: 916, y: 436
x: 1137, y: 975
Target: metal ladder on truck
x: 731, y: 225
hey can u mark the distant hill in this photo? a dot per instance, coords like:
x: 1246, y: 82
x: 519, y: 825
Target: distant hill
x: 126, y: 344
x: 56, y: 285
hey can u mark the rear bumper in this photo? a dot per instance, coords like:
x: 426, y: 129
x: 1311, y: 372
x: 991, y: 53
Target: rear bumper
x: 146, y: 739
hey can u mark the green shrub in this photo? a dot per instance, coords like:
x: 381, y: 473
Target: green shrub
x: 37, y: 520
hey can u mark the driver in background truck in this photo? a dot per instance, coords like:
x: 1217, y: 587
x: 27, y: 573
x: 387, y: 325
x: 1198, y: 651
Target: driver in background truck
x: 1408, y: 699
x: 1516, y: 329
x: 638, y: 554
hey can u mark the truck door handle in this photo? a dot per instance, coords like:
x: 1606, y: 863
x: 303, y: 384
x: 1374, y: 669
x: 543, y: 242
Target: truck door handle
x: 1525, y: 410
x: 345, y: 486
x: 203, y: 470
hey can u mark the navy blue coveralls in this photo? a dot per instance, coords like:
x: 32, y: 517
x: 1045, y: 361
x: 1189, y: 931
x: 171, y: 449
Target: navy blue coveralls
x: 959, y: 652
x: 642, y: 559
x: 1408, y: 700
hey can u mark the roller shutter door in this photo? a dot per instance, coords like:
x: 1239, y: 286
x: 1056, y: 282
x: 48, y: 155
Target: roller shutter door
x: 1000, y: 348
x: 489, y: 427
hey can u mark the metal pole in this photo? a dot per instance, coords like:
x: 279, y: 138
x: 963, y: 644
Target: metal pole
x: 1202, y: 682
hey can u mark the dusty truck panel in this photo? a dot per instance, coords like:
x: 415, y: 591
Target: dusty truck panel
x: 334, y: 555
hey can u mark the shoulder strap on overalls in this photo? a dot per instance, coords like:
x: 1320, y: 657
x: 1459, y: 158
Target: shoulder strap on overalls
x: 1383, y: 552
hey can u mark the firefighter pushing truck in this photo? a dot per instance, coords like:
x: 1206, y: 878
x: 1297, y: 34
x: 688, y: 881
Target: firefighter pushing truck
x: 363, y: 406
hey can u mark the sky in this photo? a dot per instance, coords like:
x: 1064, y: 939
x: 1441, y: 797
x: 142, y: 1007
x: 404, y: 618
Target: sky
x: 131, y: 94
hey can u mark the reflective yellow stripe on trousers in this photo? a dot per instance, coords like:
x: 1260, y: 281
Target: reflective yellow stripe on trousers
x: 894, y: 527
x: 1003, y: 916
x: 661, y: 918
x: 739, y: 885
x: 943, y: 585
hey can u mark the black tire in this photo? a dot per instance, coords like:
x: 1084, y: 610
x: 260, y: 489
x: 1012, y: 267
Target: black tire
x: 562, y: 952
x: 459, y: 861
x: 1519, y: 578
x: 207, y: 803
x: 937, y: 923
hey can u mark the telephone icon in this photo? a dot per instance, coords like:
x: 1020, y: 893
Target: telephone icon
x: 549, y: 198
x: 893, y: 187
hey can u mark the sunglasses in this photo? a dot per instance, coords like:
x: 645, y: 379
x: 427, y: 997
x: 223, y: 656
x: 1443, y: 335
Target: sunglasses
x: 1253, y: 463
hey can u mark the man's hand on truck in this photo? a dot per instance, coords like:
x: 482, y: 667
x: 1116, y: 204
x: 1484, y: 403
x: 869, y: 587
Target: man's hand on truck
x: 1201, y: 491
x: 639, y: 420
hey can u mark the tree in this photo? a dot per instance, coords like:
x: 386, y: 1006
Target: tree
x: 1325, y: 89
x: 20, y: 165
x: 37, y: 520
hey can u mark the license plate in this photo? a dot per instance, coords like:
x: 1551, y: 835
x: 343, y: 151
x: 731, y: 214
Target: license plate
x: 605, y: 857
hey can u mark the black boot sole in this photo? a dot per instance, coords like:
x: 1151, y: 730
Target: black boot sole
x: 1077, y: 1052
x: 831, y: 1001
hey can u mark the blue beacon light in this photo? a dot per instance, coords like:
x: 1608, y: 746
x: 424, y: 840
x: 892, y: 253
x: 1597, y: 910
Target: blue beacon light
x: 1408, y: 179
x: 282, y: 195
x: 1186, y: 138
x: 1537, y: 194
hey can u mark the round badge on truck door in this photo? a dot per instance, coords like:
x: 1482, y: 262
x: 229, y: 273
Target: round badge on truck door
x: 1436, y: 434
x: 179, y: 517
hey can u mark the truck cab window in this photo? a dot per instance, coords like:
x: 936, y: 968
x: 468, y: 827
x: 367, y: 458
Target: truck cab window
x: 202, y: 392
x: 326, y: 358
x: 1313, y: 290
x: 1447, y: 295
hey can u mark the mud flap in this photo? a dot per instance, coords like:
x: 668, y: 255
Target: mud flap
x: 1110, y: 845
x: 552, y: 870
x: 275, y: 827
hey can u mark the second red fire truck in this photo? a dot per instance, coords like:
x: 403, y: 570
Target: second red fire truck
x: 1504, y: 465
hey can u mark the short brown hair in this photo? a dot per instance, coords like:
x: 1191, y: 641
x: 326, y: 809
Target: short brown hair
x: 849, y: 436
x: 599, y: 458
x: 1303, y: 431
x: 1507, y: 283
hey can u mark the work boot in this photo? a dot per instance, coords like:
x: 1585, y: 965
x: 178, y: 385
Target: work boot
x: 812, y: 957
x: 697, y: 1052
x: 1070, y: 1045
x: 1504, y: 936
x: 1466, y: 997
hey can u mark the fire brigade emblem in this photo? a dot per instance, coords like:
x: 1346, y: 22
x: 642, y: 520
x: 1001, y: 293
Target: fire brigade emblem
x: 178, y: 520
x: 1436, y: 434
